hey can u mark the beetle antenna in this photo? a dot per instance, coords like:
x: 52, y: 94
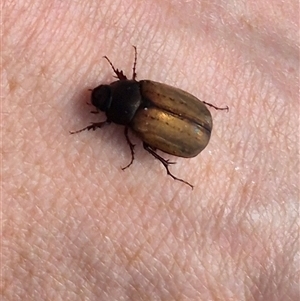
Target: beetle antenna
x: 119, y: 73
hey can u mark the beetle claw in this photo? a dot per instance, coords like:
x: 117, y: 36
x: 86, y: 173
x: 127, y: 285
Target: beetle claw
x: 125, y: 167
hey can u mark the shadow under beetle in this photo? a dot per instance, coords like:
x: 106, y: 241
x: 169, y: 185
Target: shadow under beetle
x: 163, y: 117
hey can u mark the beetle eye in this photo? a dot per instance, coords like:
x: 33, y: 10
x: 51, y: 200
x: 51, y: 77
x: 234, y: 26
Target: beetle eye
x: 101, y: 97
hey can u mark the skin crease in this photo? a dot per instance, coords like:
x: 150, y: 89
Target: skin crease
x: 77, y: 227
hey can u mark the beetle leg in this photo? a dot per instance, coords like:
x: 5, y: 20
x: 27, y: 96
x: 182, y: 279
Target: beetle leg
x: 134, y: 63
x: 89, y: 104
x: 119, y: 73
x: 217, y: 108
x: 164, y: 162
x: 93, y: 126
x: 131, y: 145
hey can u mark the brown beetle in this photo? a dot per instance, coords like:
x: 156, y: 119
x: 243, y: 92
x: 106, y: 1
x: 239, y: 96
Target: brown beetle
x: 163, y: 117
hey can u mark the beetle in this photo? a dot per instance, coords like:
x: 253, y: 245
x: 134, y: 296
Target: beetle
x: 163, y: 117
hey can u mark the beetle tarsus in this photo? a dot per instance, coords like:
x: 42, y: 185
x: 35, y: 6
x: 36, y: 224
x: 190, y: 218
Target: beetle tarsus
x: 165, y: 163
x: 93, y: 127
x: 217, y: 108
x: 131, y: 145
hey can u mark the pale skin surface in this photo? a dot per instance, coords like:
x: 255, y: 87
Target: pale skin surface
x: 76, y: 227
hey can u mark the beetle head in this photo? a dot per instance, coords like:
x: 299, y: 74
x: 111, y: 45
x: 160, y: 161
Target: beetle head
x: 101, y: 97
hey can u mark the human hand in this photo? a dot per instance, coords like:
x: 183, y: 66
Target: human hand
x: 76, y: 227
